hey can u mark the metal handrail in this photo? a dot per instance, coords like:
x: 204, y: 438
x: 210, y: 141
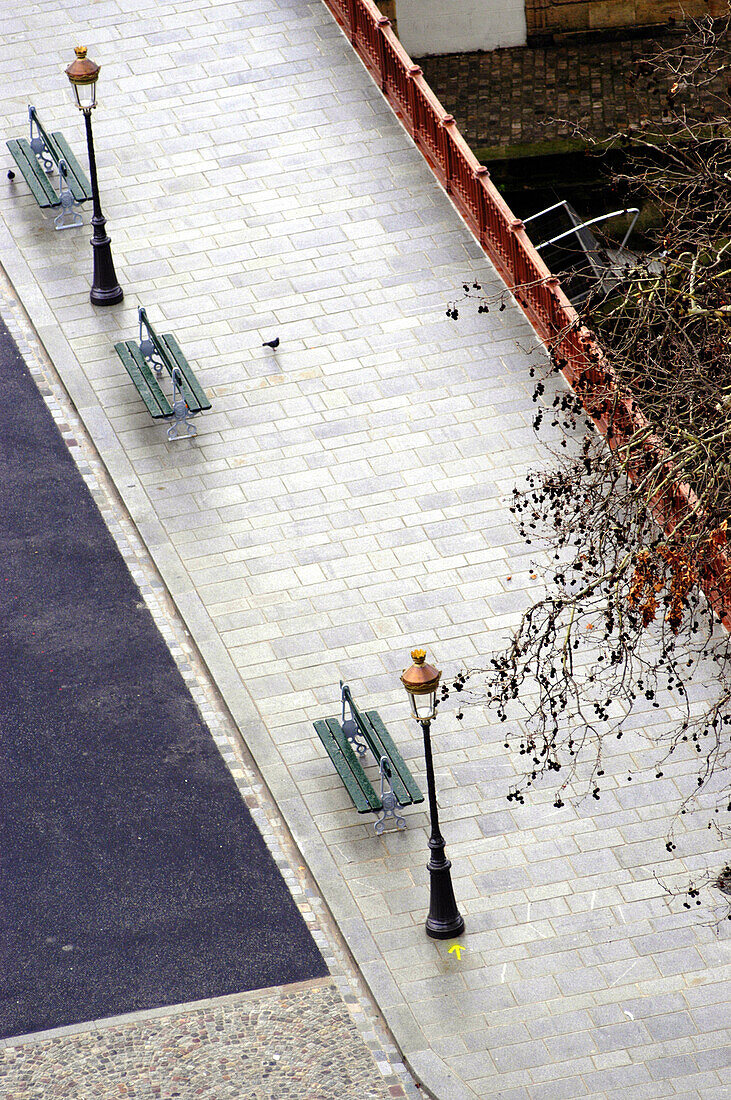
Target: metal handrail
x: 548, y: 210
x: 585, y: 225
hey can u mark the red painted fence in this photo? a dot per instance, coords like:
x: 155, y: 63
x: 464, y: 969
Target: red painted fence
x: 506, y: 243
x: 467, y: 182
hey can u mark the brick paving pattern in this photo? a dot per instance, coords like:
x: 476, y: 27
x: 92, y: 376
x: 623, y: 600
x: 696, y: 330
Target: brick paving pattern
x: 345, y: 500
x: 526, y: 98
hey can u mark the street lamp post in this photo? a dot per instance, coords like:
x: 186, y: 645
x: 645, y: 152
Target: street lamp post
x: 105, y: 290
x: 444, y: 921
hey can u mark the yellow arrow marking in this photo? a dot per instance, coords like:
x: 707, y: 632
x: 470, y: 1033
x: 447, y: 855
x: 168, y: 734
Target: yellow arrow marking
x: 456, y: 947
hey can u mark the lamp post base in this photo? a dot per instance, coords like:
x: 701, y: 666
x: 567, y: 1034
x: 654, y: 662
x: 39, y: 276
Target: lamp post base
x: 445, y: 931
x: 105, y: 290
x: 444, y: 921
x: 106, y: 297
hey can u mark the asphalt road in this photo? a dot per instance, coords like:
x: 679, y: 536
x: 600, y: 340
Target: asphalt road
x: 131, y: 873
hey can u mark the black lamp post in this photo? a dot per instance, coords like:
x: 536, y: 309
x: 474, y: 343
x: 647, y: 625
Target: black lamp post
x: 444, y: 921
x: 105, y: 290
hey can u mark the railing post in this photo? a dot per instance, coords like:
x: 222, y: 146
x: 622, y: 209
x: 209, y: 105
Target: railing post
x: 481, y: 175
x: 446, y: 122
x: 383, y: 22
x: 352, y: 5
x: 413, y: 73
x: 553, y: 307
x: 586, y: 341
x: 515, y: 227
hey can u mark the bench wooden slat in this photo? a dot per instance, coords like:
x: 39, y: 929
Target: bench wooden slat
x: 396, y: 758
x: 36, y: 178
x: 195, y: 395
x: 381, y: 744
x: 188, y: 397
x: 147, y: 385
x: 378, y: 749
x: 77, y: 181
x: 348, y: 767
x: 179, y: 363
x: 354, y: 763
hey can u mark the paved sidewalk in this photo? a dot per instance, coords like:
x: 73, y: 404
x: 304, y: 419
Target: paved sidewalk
x: 345, y: 500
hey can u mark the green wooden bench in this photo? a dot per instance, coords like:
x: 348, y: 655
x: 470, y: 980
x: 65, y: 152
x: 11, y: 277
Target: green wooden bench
x: 37, y: 158
x: 146, y: 361
x: 347, y: 740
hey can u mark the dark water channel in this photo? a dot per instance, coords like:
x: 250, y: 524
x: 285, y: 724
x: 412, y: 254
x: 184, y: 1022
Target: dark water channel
x: 530, y: 184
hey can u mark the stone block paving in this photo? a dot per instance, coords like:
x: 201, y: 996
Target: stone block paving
x: 345, y: 500
x: 526, y: 98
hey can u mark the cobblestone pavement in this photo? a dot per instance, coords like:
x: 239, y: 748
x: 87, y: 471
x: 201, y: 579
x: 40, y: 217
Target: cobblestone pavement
x: 521, y: 100
x: 344, y: 500
x: 286, y: 1043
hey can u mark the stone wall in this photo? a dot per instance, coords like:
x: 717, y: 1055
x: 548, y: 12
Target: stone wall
x: 455, y: 26
x: 545, y: 18
x: 461, y: 26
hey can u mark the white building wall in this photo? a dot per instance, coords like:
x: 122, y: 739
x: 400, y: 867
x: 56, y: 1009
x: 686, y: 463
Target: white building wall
x: 456, y: 26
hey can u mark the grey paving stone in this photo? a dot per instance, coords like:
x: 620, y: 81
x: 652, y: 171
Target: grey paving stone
x: 675, y: 1067
x: 670, y: 1026
x: 520, y: 1056
x: 684, y: 960
x: 621, y: 1078
x: 580, y: 981
x: 701, y: 1085
x: 622, y: 1036
x: 559, y: 1090
x: 498, y: 823
x: 716, y: 1058
x: 545, y: 1025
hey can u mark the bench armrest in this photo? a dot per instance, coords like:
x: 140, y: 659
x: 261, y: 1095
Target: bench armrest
x: 373, y: 731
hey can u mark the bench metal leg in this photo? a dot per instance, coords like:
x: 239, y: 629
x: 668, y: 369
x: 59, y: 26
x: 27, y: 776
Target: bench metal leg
x: 69, y: 216
x: 181, y: 413
x: 390, y: 804
x: 181, y: 420
x: 181, y: 427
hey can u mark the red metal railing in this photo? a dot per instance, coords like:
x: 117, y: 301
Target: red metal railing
x: 465, y: 180
x: 506, y: 243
